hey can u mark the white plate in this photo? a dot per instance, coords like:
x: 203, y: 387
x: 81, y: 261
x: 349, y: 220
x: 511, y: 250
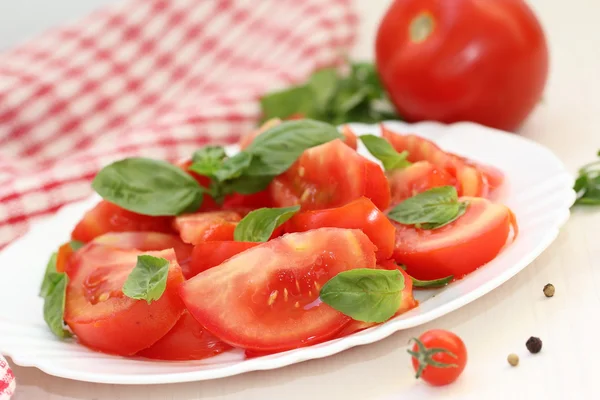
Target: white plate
x: 538, y: 189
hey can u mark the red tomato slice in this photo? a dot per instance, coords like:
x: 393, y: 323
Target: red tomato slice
x: 107, y: 217
x: 407, y: 304
x: 330, y: 175
x: 207, y: 226
x: 188, y: 340
x: 210, y: 254
x: 62, y: 258
x: 101, y: 316
x: 417, y: 178
x: 459, y: 247
x: 350, y: 138
x: 267, y: 298
x: 473, y: 179
x: 359, y: 214
x: 149, y: 241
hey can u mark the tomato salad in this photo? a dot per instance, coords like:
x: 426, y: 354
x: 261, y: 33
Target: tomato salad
x: 295, y: 240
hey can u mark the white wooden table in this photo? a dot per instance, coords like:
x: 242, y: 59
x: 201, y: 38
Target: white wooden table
x: 568, y: 122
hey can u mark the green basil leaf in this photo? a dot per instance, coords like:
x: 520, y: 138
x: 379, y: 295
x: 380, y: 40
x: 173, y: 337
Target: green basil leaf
x: 234, y: 166
x: 278, y: 148
x: 54, y: 303
x: 76, y: 245
x: 148, y: 280
x: 207, y: 160
x: 47, y: 284
x: 323, y: 85
x: 431, y: 209
x: 247, y: 184
x: 285, y: 103
x: 369, y: 295
x: 258, y: 225
x: 384, y: 152
x: 462, y: 208
x: 436, y: 283
x: 148, y: 187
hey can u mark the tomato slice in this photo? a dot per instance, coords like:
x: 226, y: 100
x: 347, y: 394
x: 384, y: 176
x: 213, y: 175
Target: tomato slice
x: 210, y: 254
x: 63, y: 256
x: 473, y: 179
x: 149, y: 241
x: 350, y: 138
x: 459, y: 247
x: 408, y: 301
x: 330, y: 175
x: 106, y: 217
x: 207, y: 226
x: 359, y: 214
x: 188, y: 340
x: 98, y: 312
x: 267, y: 298
x: 417, y: 178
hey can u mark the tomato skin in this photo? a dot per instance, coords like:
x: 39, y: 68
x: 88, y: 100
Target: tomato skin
x: 206, y: 226
x: 187, y: 340
x: 118, y: 324
x: 330, y: 175
x: 415, y: 179
x: 477, y: 58
x: 62, y: 258
x: 207, y: 255
x: 266, y: 298
x: 458, y: 248
x: 359, y: 214
x: 106, y: 217
x: 442, y: 339
x: 472, y: 179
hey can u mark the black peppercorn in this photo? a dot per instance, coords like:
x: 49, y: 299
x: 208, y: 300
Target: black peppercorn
x: 534, y: 345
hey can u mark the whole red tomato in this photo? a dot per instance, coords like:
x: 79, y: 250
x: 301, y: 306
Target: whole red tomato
x: 439, y: 357
x: 484, y: 61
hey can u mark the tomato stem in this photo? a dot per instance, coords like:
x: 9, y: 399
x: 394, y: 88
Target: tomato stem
x: 425, y: 357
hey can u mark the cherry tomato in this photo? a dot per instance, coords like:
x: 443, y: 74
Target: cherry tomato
x: 267, y: 298
x: 359, y: 214
x: 480, y: 61
x: 330, y: 175
x: 187, y: 340
x: 207, y: 226
x: 458, y: 248
x: 417, y: 178
x: 98, y: 312
x: 407, y: 304
x: 207, y: 255
x: 106, y: 217
x: 439, y: 357
x: 473, y: 179
x: 149, y: 241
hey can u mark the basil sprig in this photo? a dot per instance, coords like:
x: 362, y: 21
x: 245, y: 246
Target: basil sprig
x: 369, y: 295
x: 431, y: 209
x: 148, y: 280
x: 153, y: 187
x: 434, y: 283
x: 149, y: 187
x: 53, y: 291
x: 587, y: 185
x: 334, y: 97
x: 259, y: 225
x: 384, y: 152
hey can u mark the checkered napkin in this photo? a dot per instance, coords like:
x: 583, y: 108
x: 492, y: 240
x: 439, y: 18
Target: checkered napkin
x: 155, y: 78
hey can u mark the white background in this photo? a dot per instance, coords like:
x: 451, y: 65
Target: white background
x: 569, y: 324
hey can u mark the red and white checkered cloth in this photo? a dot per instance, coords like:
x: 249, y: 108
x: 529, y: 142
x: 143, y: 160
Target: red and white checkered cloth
x: 156, y: 78
x: 7, y: 380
